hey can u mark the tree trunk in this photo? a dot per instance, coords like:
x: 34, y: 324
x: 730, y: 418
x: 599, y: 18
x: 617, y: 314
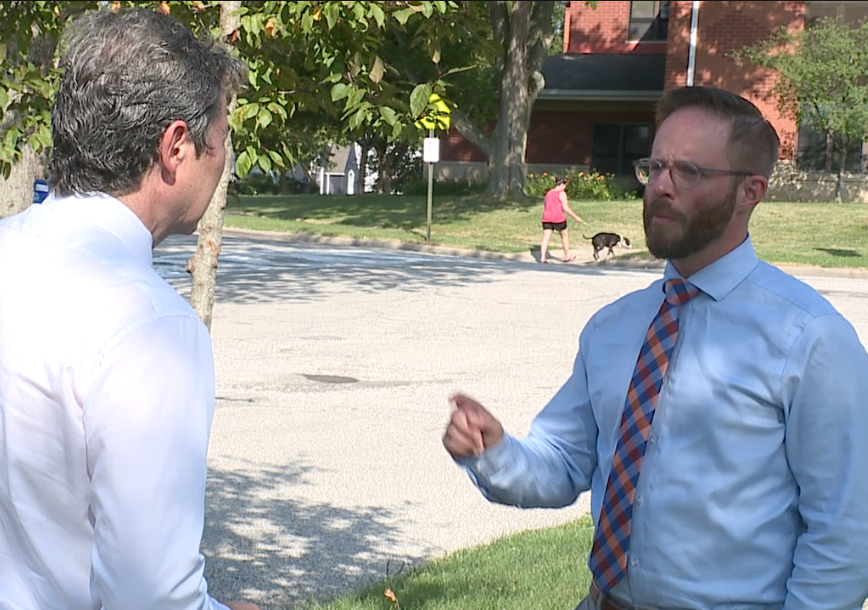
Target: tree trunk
x: 830, y: 151
x: 844, y: 146
x: 506, y: 163
x: 363, y: 166
x: 203, y: 265
x: 384, y: 169
x: 525, y: 30
x: 16, y: 191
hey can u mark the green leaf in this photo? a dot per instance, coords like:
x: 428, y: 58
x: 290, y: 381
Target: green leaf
x: 355, y: 98
x: 276, y: 158
x: 389, y: 115
x: 277, y: 109
x: 330, y: 10
x: 249, y: 111
x: 358, y: 118
x: 377, y: 12
x: 4, y: 98
x: 44, y: 135
x: 264, y: 162
x: 419, y: 99
x: 306, y: 23
x: 403, y: 15
x: 396, y: 132
x: 263, y: 119
x: 340, y: 91
x: 359, y: 12
x: 2, y: 52
x: 242, y: 164
x: 11, y: 137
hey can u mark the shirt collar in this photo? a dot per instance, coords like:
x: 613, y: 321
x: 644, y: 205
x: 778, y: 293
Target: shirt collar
x: 720, y: 277
x: 111, y: 215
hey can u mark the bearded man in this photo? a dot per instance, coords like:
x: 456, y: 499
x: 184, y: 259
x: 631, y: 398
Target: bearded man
x: 727, y: 462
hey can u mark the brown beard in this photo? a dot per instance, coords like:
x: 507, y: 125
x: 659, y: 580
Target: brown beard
x: 696, y: 232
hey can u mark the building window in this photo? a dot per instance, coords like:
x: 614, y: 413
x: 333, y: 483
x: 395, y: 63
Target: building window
x: 617, y: 145
x: 649, y: 21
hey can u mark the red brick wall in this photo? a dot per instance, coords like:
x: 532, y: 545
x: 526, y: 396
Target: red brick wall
x: 602, y: 30
x: 453, y: 147
x: 725, y: 27
x: 564, y: 137
x: 567, y: 137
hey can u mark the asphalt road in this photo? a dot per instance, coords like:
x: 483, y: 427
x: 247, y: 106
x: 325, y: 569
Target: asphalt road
x: 334, y: 367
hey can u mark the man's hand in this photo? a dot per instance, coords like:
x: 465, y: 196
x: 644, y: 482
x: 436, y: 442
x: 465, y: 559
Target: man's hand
x: 472, y: 429
x: 241, y: 606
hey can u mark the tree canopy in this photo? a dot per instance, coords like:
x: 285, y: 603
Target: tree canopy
x: 821, y: 78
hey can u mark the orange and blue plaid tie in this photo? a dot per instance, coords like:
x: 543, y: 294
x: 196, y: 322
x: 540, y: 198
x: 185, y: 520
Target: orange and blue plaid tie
x: 608, y: 560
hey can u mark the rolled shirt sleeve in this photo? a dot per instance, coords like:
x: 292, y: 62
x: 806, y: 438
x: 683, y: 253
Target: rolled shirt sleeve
x: 554, y: 464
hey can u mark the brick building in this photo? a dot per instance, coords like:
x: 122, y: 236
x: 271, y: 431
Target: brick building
x: 597, y: 108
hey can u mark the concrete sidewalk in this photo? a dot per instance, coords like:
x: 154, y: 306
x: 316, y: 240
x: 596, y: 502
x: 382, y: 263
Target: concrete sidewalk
x: 334, y: 368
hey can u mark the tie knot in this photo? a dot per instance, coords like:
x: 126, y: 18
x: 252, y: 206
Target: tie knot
x: 679, y: 291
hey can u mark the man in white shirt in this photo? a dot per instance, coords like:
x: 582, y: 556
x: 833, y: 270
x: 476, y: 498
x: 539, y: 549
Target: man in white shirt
x: 106, y: 373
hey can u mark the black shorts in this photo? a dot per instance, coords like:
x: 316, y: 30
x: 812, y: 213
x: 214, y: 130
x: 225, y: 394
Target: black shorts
x: 555, y: 226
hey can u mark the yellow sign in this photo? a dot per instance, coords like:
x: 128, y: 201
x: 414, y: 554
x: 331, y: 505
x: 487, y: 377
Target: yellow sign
x: 436, y: 116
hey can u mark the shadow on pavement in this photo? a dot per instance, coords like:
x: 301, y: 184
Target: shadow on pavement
x: 263, y: 270
x: 264, y: 546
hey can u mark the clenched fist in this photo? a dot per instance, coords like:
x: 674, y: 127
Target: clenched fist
x: 472, y: 429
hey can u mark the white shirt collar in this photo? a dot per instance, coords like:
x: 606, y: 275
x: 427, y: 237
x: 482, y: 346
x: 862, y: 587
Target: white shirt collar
x: 111, y: 215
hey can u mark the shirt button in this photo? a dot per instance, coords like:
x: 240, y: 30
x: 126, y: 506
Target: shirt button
x: 639, y: 500
x: 634, y: 562
x: 652, y: 440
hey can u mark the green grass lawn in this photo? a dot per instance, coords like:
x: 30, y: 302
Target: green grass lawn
x: 822, y: 234
x: 536, y: 569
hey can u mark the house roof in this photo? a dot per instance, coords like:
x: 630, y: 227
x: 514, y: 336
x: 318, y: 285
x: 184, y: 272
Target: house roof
x: 599, y: 76
x: 337, y: 159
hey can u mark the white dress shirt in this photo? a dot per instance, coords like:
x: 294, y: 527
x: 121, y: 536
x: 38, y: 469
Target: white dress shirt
x: 106, y: 400
x: 754, y: 485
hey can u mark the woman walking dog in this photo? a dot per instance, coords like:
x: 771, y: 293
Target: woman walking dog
x: 554, y: 219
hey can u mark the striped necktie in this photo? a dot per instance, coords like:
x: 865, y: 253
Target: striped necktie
x: 608, y: 560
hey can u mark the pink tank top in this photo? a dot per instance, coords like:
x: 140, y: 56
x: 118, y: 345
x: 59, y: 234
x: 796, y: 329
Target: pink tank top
x: 554, y: 211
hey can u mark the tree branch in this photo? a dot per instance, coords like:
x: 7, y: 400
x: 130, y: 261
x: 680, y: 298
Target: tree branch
x: 499, y: 21
x: 482, y: 140
x: 541, y: 34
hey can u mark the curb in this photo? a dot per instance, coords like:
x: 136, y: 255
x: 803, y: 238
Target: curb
x: 525, y: 257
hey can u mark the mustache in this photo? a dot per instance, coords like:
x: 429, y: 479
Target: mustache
x: 660, y: 207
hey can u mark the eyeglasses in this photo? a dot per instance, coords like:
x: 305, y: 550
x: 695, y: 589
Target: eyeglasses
x: 684, y: 174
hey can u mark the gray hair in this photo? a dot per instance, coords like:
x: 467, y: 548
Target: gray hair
x: 126, y: 77
x: 753, y: 142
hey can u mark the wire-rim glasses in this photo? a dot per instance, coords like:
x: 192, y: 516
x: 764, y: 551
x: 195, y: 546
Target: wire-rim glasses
x: 684, y: 174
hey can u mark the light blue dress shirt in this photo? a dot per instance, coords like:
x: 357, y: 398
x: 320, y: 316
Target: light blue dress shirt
x: 754, y: 487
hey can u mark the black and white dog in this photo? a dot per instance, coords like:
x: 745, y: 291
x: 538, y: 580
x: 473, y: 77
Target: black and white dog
x: 607, y: 240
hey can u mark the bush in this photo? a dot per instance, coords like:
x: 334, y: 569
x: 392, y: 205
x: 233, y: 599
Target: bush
x: 580, y: 185
x: 256, y: 184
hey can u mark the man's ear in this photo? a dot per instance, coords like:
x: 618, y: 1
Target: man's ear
x: 174, y: 148
x: 751, y: 191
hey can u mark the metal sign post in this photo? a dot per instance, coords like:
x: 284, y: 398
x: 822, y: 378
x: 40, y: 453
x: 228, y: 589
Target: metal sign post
x: 430, y: 155
x: 437, y: 115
